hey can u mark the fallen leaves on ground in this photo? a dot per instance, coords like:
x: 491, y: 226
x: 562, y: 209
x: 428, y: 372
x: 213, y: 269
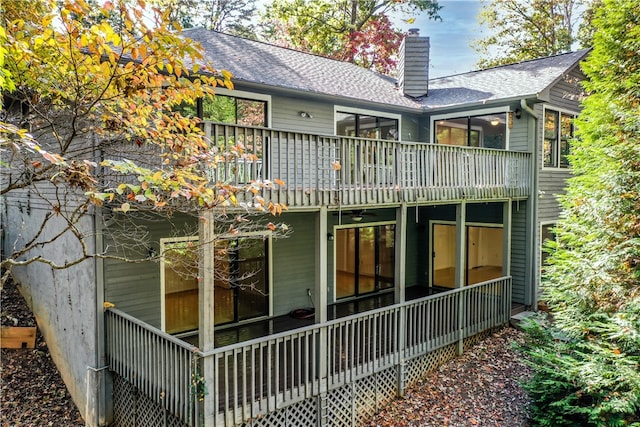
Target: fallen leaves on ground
x: 32, y: 392
x: 480, y: 388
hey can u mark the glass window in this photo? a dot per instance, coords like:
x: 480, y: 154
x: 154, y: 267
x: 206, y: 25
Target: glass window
x: 241, y: 282
x: 366, y: 126
x: 487, y: 131
x: 232, y: 110
x: 558, y: 131
x: 546, y: 234
x: 483, y: 258
x: 364, y: 260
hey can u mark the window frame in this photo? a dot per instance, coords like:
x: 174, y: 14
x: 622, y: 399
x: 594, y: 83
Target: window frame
x: 433, y: 120
x: 335, y: 273
x: 366, y: 112
x: 240, y: 94
x: 557, y: 143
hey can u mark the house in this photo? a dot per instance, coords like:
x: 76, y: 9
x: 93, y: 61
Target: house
x: 418, y: 208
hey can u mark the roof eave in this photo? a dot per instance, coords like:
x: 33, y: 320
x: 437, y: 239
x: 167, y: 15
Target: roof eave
x: 536, y: 97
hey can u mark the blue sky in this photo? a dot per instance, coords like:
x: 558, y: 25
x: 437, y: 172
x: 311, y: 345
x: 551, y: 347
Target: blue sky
x: 450, y: 52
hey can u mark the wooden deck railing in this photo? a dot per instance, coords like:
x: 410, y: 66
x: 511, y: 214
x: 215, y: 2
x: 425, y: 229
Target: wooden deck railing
x: 329, y: 170
x: 262, y: 375
x: 159, y: 365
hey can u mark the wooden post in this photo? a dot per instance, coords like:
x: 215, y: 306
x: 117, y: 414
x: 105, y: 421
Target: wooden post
x: 322, y: 266
x: 400, y: 283
x: 507, y: 212
x: 206, y: 310
x: 506, y: 238
x: 461, y: 238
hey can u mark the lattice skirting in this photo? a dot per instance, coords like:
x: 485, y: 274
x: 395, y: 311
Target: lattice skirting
x: 354, y: 403
x: 131, y: 408
x: 299, y: 414
x: 420, y: 366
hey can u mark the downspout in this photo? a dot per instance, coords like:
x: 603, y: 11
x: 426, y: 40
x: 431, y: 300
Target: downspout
x: 96, y: 375
x: 532, y: 213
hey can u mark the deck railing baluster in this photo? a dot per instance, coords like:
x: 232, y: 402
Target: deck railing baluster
x: 267, y: 373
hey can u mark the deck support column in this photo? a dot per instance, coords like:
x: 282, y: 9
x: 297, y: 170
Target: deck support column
x: 507, y: 212
x: 206, y: 311
x: 399, y: 297
x: 322, y: 266
x: 461, y: 238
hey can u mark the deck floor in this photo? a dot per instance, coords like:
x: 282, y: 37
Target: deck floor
x: 248, y: 331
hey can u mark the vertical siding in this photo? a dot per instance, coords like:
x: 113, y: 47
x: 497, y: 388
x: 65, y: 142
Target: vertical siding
x: 294, y: 263
x: 135, y: 288
x: 519, y: 250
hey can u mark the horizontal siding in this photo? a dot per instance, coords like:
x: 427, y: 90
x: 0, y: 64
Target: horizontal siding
x: 567, y: 92
x: 285, y: 114
x: 519, y: 134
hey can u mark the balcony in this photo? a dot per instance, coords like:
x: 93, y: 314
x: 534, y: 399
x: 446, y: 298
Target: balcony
x: 323, y: 170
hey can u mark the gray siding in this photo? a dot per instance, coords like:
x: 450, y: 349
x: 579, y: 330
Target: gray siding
x: 135, y: 287
x: 519, y: 139
x: 294, y: 263
x: 564, y: 96
x: 285, y: 114
x: 519, y: 250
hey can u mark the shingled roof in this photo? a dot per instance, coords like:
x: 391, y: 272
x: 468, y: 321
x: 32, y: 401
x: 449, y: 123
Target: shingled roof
x: 527, y: 79
x: 261, y: 63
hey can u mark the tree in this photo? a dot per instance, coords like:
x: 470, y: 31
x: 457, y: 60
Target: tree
x: 523, y: 29
x: 587, y: 355
x: 227, y: 16
x: 360, y: 32
x: 76, y: 88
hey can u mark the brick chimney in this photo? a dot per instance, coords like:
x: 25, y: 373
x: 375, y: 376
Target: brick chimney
x: 413, y: 64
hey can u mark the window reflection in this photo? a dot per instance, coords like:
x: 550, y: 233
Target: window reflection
x: 488, y: 131
x: 366, y: 126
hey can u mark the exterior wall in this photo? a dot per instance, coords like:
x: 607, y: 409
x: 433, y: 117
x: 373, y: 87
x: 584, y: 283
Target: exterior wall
x: 519, y: 250
x: 294, y: 261
x: 63, y: 301
x: 285, y: 114
x: 564, y: 96
x: 135, y: 287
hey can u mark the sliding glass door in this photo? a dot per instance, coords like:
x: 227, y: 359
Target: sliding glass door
x: 364, y: 260
x: 483, y: 255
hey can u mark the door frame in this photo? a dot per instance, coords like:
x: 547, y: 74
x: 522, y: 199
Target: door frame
x: 431, y: 256
x: 335, y: 242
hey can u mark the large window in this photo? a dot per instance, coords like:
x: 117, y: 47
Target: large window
x: 228, y: 109
x: 241, y: 281
x: 558, y: 131
x: 487, y: 131
x: 366, y: 126
x: 364, y: 260
x: 483, y: 258
x: 233, y: 110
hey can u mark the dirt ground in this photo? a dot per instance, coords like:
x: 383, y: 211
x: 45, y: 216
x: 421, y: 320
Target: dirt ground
x: 31, y: 390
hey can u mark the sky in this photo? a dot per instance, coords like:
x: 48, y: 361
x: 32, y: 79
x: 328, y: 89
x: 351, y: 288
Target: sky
x: 449, y: 39
x: 450, y: 52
